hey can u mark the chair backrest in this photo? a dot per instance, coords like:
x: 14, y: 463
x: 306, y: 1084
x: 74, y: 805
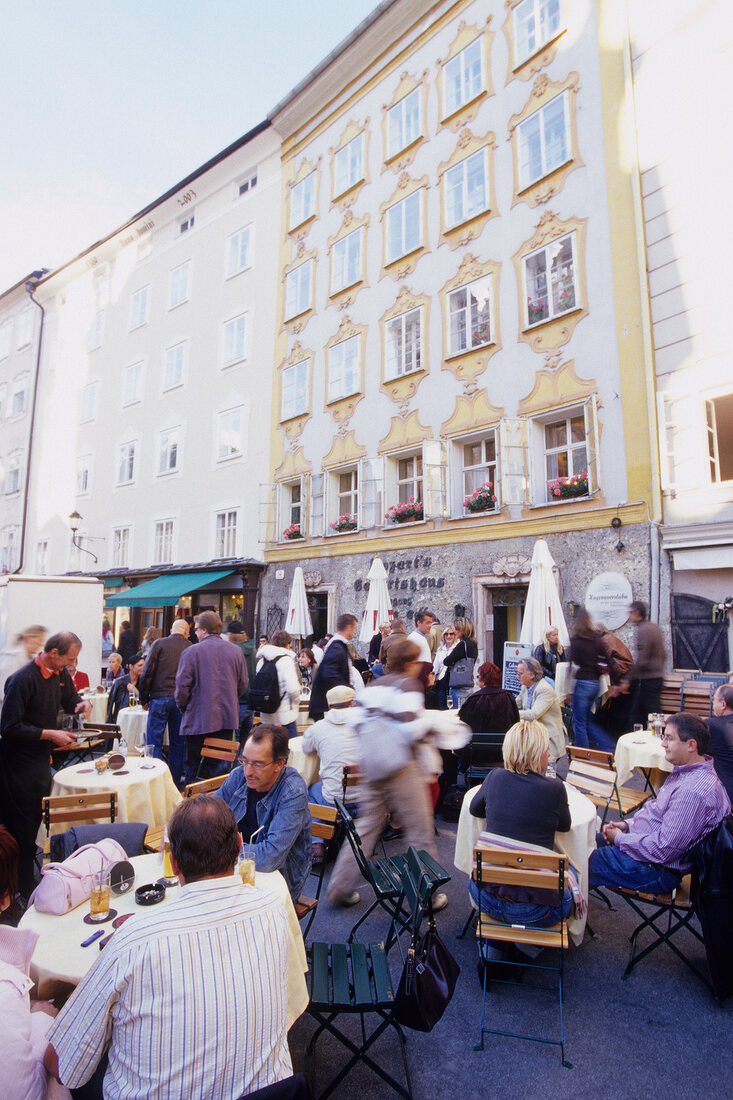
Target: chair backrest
x: 484, y: 754
x: 83, y: 808
x: 205, y: 786
x: 217, y: 748
x: 697, y: 697
x: 110, y: 728
x: 351, y: 777
x: 517, y: 867
x: 592, y: 772
x: 323, y: 821
x: 355, y: 841
x: 416, y: 888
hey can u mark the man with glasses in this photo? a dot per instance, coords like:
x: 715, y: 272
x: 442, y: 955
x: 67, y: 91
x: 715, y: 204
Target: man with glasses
x: 648, y: 852
x: 270, y: 802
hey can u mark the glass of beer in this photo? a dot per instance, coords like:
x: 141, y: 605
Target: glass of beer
x: 246, y: 870
x: 99, y: 901
x: 168, y: 874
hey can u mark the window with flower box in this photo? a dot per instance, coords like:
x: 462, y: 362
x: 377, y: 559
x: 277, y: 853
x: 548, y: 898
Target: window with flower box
x: 469, y: 316
x: 403, y: 123
x: 551, y: 281
x: 298, y: 290
x: 463, y: 77
x: 566, y: 461
x: 479, y: 474
x: 403, y: 336
x: 535, y: 23
x: 403, y: 226
x: 291, y: 510
x: 343, y: 501
x: 349, y: 165
x: 408, y: 507
x: 467, y: 189
x: 544, y: 141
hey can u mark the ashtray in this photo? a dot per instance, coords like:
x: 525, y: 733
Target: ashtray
x: 149, y: 894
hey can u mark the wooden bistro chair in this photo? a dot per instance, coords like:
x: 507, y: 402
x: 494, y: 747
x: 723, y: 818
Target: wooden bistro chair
x: 512, y: 867
x: 218, y: 748
x: 593, y: 772
x: 323, y: 826
x: 203, y: 786
x: 77, y: 809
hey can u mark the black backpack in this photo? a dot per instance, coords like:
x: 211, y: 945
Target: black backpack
x: 265, y: 693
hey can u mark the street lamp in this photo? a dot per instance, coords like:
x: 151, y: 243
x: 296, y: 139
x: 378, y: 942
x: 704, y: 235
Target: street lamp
x: 74, y: 521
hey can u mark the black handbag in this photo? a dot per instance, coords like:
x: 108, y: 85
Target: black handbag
x: 428, y: 980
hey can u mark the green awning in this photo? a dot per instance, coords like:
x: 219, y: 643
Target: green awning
x: 113, y: 582
x: 165, y: 591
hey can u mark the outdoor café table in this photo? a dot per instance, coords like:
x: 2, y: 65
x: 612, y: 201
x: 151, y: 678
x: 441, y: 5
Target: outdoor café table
x: 58, y: 956
x: 644, y: 751
x: 577, y: 843
x: 144, y: 794
x: 133, y: 723
x: 306, y: 764
x: 98, y: 700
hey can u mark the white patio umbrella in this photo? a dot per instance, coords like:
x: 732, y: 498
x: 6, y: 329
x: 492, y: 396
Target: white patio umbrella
x: 379, y: 605
x: 543, y: 607
x: 298, y: 621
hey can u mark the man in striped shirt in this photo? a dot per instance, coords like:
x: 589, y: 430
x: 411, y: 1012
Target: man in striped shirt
x: 188, y: 1002
x: 648, y: 852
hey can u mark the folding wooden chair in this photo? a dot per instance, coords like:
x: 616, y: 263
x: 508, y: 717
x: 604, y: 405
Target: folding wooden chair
x: 593, y: 772
x: 204, y: 786
x: 484, y: 754
x: 77, y: 809
x: 74, y: 754
x: 154, y: 838
x: 218, y: 748
x: 323, y: 826
x: 385, y: 878
x: 534, y: 870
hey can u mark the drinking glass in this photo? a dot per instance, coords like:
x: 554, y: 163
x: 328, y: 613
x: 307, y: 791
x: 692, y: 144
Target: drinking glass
x: 246, y: 868
x: 99, y: 900
x: 147, y: 752
x: 638, y: 727
x: 449, y: 702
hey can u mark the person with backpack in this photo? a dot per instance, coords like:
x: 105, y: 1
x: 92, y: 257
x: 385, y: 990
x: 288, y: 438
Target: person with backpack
x: 275, y: 690
x: 335, y: 667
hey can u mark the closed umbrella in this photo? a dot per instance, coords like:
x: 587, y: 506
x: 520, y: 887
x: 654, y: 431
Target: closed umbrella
x: 379, y: 605
x: 543, y: 607
x: 299, y: 617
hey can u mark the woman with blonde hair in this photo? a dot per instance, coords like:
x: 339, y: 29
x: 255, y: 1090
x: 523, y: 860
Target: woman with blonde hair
x: 550, y: 653
x: 460, y: 661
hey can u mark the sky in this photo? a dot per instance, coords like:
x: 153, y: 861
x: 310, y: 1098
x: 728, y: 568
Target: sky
x: 108, y: 103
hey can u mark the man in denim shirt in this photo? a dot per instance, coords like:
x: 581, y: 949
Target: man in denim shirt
x: 263, y: 793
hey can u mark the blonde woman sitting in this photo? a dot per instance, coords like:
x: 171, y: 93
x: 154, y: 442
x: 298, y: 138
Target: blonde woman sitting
x: 550, y: 654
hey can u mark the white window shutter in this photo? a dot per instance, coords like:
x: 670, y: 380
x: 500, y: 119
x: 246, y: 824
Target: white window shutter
x: 268, y: 512
x: 317, y: 492
x: 590, y: 415
x: 371, y: 492
x: 679, y: 450
x: 434, y: 462
x: 514, y: 459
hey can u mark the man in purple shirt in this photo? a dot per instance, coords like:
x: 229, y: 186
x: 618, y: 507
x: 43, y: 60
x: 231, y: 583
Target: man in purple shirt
x: 648, y: 852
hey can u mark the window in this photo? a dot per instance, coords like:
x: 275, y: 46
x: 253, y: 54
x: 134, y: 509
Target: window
x: 168, y: 451
x: 96, y: 331
x: 234, y: 332
x: 24, y: 332
x: 403, y: 227
x: 8, y: 546
x: 140, y: 307
x: 120, y: 547
x: 566, y: 457
x: 3, y: 400
x: 6, y: 339
x: 535, y: 22
x: 18, y: 395
x: 248, y: 183
x: 173, y: 373
x: 404, y: 343
x: 467, y: 189
x: 238, y: 251
x: 345, y: 501
x: 185, y: 224
x: 346, y: 261
x: 403, y: 123
x: 295, y: 390
x: 303, y: 200
x: 550, y: 280
x: 298, y: 290
x: 133, y: 384
x: 89, y: 402
x: 349, y: 166
x: 179, y: 290
x: 719, y: 424
x: 226, y: 535
x: 469, y: 316
x: 479, y: 467
x: 344, y: 368
x: 463, y: 76
x: 543, y: 141
x: 409, y: 479
x: 163, y: 542
x: 42, y: 557
x: 12, y: 477
x: 83, y: 474
x: 126, y: 464
x: 229, y: 434
x: 292, y: 493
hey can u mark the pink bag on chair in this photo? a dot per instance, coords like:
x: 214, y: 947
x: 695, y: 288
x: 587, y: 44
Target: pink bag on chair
x: 65, y: 885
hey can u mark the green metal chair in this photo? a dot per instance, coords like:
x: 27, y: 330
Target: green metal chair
x: 484, y: 754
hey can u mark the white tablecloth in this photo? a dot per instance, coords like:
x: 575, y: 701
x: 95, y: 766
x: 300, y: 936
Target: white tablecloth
x: 306, y: 764
x: 133, y: 723
x: 144, y: 794
x: 577, y: 844
x: 641, y: 750
x: 58, y: 955
x: 99, y: 706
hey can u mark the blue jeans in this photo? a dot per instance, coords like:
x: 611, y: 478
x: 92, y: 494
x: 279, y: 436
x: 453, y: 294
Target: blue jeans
x: 610, y: 866
x: 521, y: 912
x: 584, y: 696
x: 459, y: 696
x: 162, y: 713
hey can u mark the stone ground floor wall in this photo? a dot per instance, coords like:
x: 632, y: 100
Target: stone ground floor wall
x: 450, y: 577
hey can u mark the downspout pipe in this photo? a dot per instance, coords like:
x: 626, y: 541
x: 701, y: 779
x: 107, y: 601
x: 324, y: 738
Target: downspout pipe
x: 30, y: 287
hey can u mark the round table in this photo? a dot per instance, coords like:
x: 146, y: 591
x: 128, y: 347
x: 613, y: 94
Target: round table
x: 59, y: 957
x: 99, y: 700
x: 306, y: 764
x: 644, y: 751
x: 133, y: 723
x: 144, y: 794
x: 577, y: 844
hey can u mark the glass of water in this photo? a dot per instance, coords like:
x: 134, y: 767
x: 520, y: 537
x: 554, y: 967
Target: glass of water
x: 147, y: 752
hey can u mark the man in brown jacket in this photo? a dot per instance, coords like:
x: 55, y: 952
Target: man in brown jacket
x: 646, y: 675
x: 397, y: 631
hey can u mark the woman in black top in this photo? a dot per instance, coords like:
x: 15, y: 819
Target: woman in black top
x: 522, y: 803
x: 550, y: 653
x: 587, y: 654
x: 464, y: 649
x: 124, y: 687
